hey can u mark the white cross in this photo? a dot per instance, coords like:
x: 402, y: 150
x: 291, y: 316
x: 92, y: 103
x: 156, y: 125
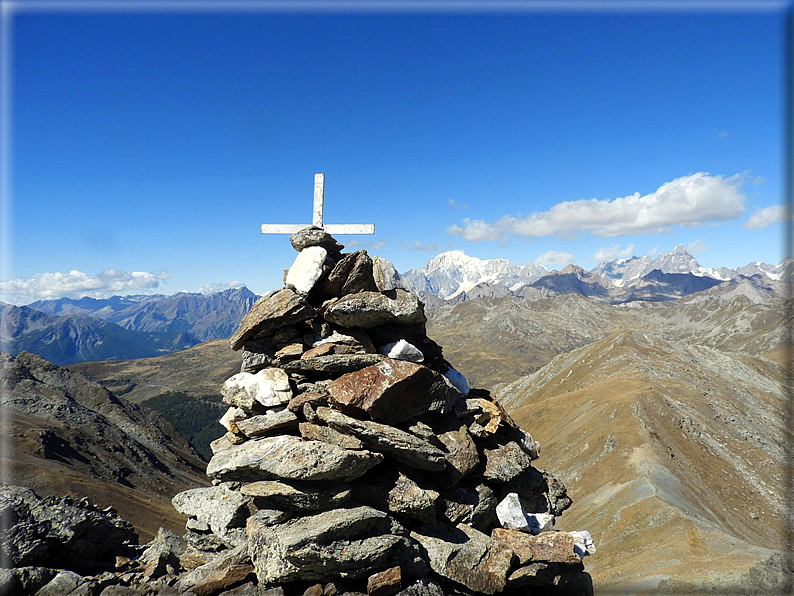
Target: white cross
x: 317, y: 218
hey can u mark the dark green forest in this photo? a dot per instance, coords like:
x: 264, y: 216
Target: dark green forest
x: 195, y: 418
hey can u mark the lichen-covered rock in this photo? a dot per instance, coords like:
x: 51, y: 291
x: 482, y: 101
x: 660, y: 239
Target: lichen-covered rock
x: 269, y: 313
x: 287, y: 457
x: 333, y: 363
x: 550, y: 547
x: 370, y: 309
x: 392, y: 391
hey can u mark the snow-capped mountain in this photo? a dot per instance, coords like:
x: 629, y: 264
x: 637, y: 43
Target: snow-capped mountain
x: 451, y: 273
x: 623, y: 272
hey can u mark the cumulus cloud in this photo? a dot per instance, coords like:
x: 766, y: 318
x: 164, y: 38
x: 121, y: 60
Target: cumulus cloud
x: 220, y: 287
x: 687, y: 201
x: 696, y: 246
x: 765, y: 217
x: 417, y: 246
x: 76, y: 284
x: 612, y: 253
x: 554, y: 257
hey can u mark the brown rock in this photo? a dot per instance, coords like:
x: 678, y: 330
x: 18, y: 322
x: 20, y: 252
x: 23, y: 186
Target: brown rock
x: 550, y: 547
x: 315, y: 590
x: 326, y: 434
x: 298, y: 496
x: 269, y: 313
x: 317, y: 398
x: 385, y: 583
x: 321, y: 350
x: 223, y: 579
x: 392, y: 391
x: 293, y: 350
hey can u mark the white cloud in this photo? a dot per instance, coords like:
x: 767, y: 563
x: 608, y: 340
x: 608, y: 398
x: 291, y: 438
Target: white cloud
x: 76, y: 284
x: 454, y: 203
x: 366, y: 244
x: 554, y: 257
x: 696, y: 246
x: 687, y: 201
x: 722, y: 134
x: 653, y: 251
x: 765, y: 217
x: 220, y: 287
x: 417, y: 246
x: 612, y: 253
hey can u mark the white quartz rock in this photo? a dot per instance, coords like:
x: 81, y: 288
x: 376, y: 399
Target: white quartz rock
x: 402, y: 350
x: 512, y: 516
x: 583, y: 544
x: 269, y: 386
x: 306, y: 270
x: 458, y: 381
x: 231, y: 416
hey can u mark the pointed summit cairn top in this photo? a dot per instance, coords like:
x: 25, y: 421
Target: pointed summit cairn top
x: 358, y: 458
x: 317, y: 218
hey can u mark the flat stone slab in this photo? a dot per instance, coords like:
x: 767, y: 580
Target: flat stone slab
x: 263, y: 424
x: 466, y: 556
x: 392, y: 391
x: 340, y: 542
x: 551, y: 547
x: 269, y: 313
x: 289, y: 458
x: 326, y: 434
x: 333, y: 363
x: 370, y: 309
x: 402, y: 446
x: 312, y: 236
x: 299, y: 496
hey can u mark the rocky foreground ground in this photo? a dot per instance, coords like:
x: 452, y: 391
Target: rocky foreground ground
x: 356, y: 460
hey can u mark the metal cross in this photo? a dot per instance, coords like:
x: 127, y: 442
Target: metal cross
x: 317, y: 218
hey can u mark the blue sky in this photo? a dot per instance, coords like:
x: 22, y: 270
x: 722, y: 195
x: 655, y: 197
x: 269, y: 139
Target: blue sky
x: 156, y: 143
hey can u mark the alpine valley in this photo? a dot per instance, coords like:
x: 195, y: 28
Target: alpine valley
x: 653, y: 385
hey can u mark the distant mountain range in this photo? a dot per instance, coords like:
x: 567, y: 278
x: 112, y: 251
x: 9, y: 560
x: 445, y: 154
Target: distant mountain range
x: 70, y: 330
x: 453, y: 277
x: 119, y: 328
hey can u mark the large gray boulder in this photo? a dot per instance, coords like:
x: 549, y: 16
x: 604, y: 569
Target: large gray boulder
x: 466, y: 556
x: 219, y: 507
x: 341, y: 542
x: 289, y: 458
x: 371, y: 309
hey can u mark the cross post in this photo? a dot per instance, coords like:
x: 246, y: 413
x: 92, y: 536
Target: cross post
x: 317, y: 218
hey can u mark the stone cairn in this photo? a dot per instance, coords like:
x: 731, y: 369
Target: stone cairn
x: 358, y: 460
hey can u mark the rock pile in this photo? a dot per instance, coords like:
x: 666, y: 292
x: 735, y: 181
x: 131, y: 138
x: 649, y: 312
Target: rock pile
x: 357, y: 459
